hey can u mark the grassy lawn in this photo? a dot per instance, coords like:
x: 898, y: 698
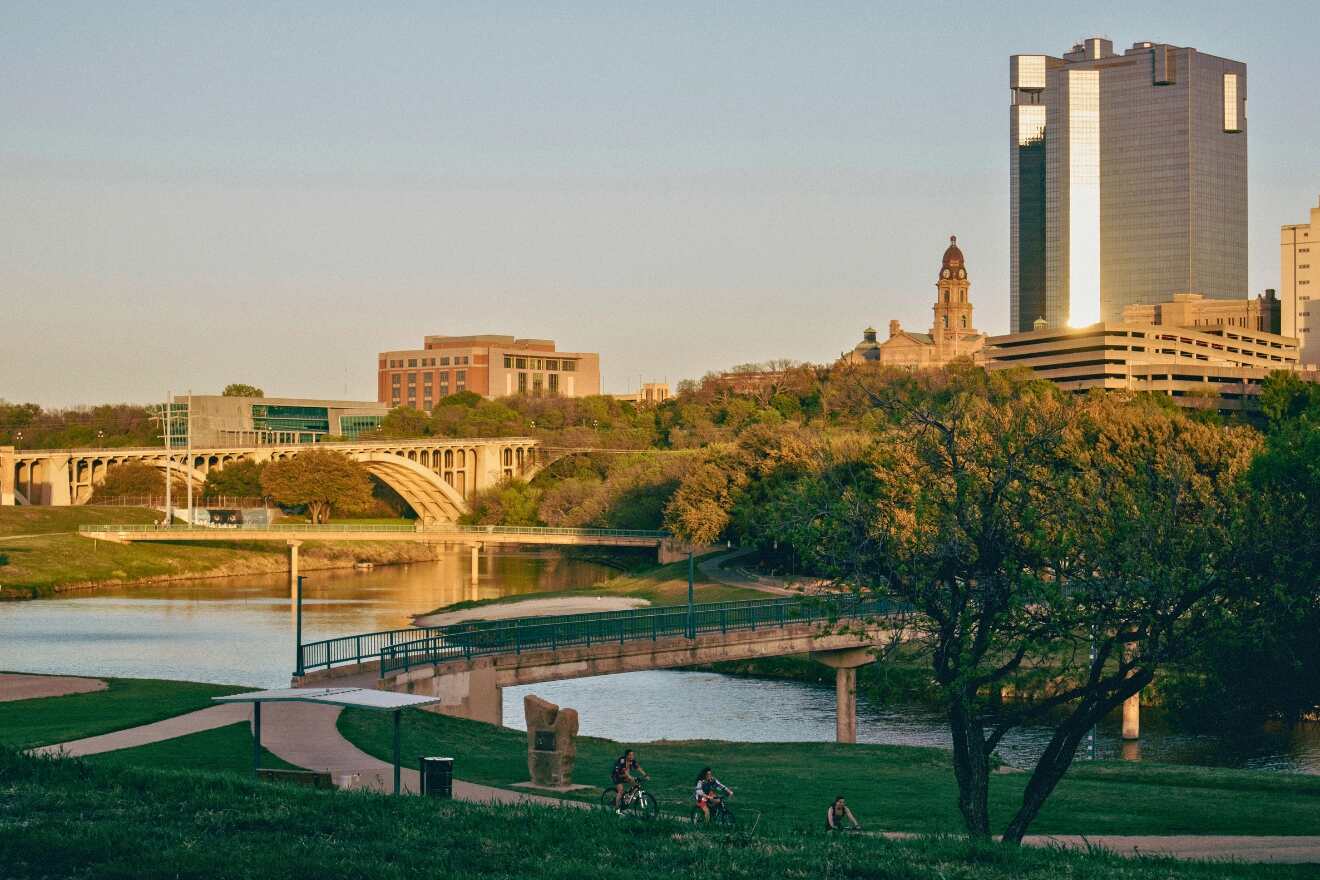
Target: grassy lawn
x: 70, y: 819
x: 894, y: 788
x: 127, y: 702
x: 223, y: 749
x: 659, y: 585
x: 45, y: 550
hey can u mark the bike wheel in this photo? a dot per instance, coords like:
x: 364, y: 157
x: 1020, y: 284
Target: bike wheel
x: 725, y: 817
x: 645, y: 805
x: 607, y: 799
x: 697, y: 817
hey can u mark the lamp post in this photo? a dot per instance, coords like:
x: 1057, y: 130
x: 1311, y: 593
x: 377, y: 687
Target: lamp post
x: 297, y: 628
x: 691, y: 611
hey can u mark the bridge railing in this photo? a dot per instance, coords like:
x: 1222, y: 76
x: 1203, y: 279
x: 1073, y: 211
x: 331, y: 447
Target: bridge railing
x: 488, y: 638
x: 334, y: 528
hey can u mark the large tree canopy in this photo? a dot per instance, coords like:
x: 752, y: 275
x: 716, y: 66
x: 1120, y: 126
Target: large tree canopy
x: 320, y: 480
x: 239, y: 389
x: 239, y: 479
x: 1019, y: 524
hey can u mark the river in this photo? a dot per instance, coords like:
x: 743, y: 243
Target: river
x: 237, y: 630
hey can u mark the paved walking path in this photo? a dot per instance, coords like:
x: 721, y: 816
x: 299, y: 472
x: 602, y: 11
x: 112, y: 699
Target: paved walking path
x: 180, y: 725
x: 304, y: 734
x: 25, y: 686
x: 714, y: 568
x: 1292, y: 850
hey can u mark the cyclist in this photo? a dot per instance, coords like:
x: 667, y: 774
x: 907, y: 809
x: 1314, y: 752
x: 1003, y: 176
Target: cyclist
x: 622, y: 775
x: 837, y: 813
x: 707, y: 791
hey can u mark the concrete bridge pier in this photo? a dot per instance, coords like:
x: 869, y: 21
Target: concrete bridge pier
x: 1132, y: 717
x: 6, y: 476
x: 476, y: 563
x: 845, y: 664
x: 293, y: 588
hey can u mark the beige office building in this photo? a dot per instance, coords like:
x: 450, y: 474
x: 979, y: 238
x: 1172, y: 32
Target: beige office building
x: 1299, y: 285
x: 1192, y: 349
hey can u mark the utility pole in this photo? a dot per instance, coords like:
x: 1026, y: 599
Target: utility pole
x: 189, y: 471
x: 169, y: 459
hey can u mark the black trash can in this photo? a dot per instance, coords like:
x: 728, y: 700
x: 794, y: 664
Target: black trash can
x: 437, y: 777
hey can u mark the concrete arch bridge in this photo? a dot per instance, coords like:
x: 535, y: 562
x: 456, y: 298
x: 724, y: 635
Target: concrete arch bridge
x: 467, y: 665
x: 438, y: 477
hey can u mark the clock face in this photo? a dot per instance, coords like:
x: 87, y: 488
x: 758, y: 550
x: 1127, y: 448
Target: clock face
x: 962, y: 273
x: 944, y: 273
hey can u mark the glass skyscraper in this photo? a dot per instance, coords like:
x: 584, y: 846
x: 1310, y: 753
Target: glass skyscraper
x: 1128, y: 180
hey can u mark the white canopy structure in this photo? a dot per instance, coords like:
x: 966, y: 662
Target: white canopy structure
x: 360, y: 698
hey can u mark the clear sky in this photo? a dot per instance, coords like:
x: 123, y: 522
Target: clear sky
x: 198, y: 193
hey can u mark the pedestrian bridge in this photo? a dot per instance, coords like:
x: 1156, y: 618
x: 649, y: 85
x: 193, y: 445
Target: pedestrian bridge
x: 466, y: 665
x: 422, y: 533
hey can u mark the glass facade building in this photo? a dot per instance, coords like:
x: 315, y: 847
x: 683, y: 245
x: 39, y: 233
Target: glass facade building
x: 1128, y: 180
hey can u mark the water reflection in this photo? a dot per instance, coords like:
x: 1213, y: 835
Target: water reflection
x: 238, y: 630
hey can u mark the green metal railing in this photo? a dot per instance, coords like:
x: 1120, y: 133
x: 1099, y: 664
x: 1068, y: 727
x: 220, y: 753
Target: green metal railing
x: 333, y: 528
x: 488, y: 638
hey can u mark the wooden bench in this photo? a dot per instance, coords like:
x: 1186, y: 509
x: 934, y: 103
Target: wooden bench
x: 312, y: 778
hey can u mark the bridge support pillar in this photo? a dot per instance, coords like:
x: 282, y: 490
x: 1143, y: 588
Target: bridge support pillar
x: 476, y: 563
x: 1132, y: 717
x: 7, y: 470
x: 293, y: 588
x: 845, y: 664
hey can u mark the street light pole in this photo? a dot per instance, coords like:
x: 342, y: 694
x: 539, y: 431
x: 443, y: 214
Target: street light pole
x: 297, y: 628
x: 169, y: 459
x: 188, y: 472
x: 691, y: 615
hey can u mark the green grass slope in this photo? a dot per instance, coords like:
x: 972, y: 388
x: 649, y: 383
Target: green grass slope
x: 69, y: 819
x: 894, y: 788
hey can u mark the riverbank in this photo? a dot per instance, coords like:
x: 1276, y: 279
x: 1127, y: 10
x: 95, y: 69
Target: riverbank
x: 46, y: 555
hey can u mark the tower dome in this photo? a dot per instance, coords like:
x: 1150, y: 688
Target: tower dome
x: 953, y: 257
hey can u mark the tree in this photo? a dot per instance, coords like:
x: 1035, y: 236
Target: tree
x: 405, y: 422
x: 239, y: 479
x: 320, y: 480
x: 511, y: 502
x: 239, y: 389
x: 1018, y: 524
x: 131, y: 480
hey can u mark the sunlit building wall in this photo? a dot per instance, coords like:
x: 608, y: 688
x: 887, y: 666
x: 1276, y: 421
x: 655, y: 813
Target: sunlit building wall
x: 1128, y: 180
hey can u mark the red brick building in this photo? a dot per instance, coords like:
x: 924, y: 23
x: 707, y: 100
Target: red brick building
x: 486, y: 364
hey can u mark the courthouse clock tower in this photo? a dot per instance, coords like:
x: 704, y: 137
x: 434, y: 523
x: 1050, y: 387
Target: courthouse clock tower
x: 953, y: 310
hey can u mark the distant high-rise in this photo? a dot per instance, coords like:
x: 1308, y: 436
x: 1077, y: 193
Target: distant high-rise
x: 1128, y: 180
x: 1299, y: 284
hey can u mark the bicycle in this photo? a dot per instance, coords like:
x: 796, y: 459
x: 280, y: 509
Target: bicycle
x: 636, y: 801
x: 720, y: 814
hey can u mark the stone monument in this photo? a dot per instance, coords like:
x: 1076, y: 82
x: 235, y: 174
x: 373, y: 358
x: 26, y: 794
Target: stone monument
x: 551, y: 743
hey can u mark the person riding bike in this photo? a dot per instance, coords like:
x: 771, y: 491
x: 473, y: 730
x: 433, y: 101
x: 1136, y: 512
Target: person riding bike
x: 708, y: 791
x: 622, y: 775
x: 837, y: 813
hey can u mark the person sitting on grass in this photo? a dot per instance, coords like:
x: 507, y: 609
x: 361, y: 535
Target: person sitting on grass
x: 622, y: 775
x: 836, y: 813
x: 707, y: 792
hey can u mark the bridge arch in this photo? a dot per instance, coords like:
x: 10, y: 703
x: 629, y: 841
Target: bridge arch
x: 432, y: 498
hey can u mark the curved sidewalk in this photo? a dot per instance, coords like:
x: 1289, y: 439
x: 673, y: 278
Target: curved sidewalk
x: 304, y: 734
